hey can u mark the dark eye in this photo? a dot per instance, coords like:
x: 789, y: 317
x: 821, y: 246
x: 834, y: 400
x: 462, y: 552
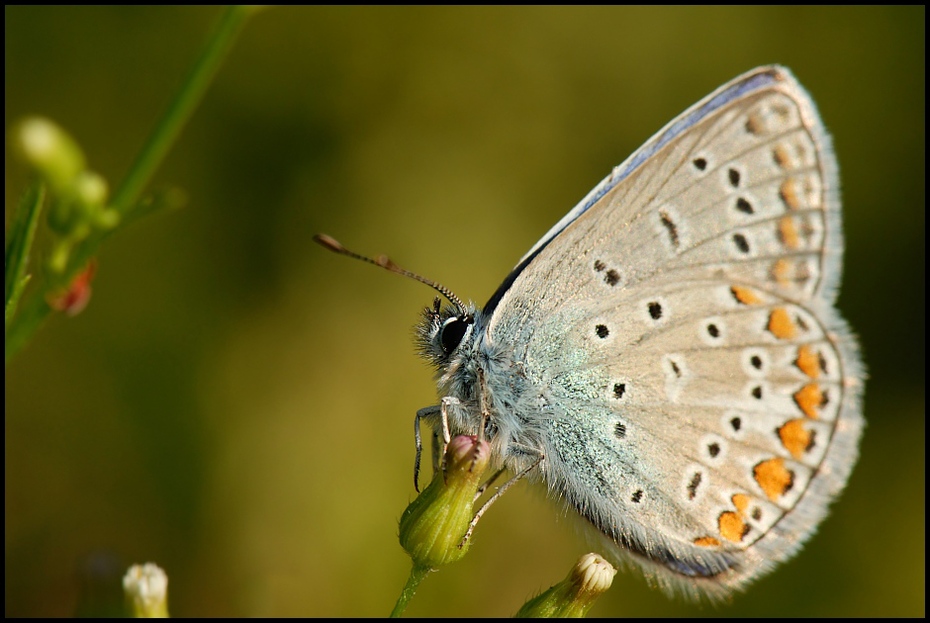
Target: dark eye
x: 451, y: 333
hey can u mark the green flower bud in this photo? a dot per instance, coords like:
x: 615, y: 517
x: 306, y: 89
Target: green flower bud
x: 434, y: 524
x: 49, y: 150
x: 90, y: 189
x: 573, y: 597
x: 79, y: 196
x: 90, y: 197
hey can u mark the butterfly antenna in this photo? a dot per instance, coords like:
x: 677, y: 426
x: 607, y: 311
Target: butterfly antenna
x: 385, y: 262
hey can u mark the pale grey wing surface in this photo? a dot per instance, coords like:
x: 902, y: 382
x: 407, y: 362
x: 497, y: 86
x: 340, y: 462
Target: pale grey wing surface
x: 702, y: 396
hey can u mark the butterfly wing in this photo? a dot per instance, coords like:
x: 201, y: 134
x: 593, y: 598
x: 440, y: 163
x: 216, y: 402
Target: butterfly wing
x: 701, y: 396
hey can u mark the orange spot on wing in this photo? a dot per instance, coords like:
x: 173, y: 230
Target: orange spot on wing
x: 755, y: 124
x: 788, y: 232
x: 745, y: 295
x: 741, y: 502
x: 788, y: 191
x: 706, y: 541
x: 781, y: 271
x: 773, y: 477
x: 781, y: 325
x: 782, y: 157
x: 808, y: 361
x: 732, y: 527
x: 795, y: 438
x: 809, y: 398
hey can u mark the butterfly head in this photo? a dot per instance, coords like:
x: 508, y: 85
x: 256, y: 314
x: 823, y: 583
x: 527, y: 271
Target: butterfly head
x: 445, y: 331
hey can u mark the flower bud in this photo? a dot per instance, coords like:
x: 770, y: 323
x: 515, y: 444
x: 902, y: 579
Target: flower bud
x: 73, y: 299
x: 90, y: 189
x: 49, y: 150
x: 146, y: 589
x: 573, y: 597
x: 434, y: 524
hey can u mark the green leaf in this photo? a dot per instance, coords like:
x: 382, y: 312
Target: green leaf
x: 19, y: 245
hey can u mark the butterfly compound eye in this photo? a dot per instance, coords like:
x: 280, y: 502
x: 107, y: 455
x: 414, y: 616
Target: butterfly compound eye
x: 452, y: 332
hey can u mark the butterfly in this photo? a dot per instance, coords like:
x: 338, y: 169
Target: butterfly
x: 668, y: 359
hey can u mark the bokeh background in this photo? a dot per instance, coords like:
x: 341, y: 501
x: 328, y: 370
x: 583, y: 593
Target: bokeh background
x: 236, y: 404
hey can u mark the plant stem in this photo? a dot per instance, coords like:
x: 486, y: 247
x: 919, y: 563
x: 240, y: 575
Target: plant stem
x: 34, y: 312
x: 181, y: 108
x: 417, y: 573
x: 19, y: 247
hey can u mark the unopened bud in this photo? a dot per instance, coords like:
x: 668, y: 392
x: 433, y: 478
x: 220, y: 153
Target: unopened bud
x: 573, y: 597
x: 434, y: 525
x: 73, y: 299
x: 49, y: 150
x: 146, y: 589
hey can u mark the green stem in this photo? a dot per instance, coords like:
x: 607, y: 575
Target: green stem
x: 181, y: 109
x: 34, y: 312
x: 19, y: 247
x: 417, y: 573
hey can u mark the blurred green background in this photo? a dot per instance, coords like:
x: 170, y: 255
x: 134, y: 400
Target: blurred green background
x: 236, y: 404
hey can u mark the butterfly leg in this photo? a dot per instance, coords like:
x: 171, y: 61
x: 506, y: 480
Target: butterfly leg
x: 424, y: 413
x: 436, y: 450
x: 489, y: 482
x: 497, y: 494
x: 444, y: 405
x: 429, y: 413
